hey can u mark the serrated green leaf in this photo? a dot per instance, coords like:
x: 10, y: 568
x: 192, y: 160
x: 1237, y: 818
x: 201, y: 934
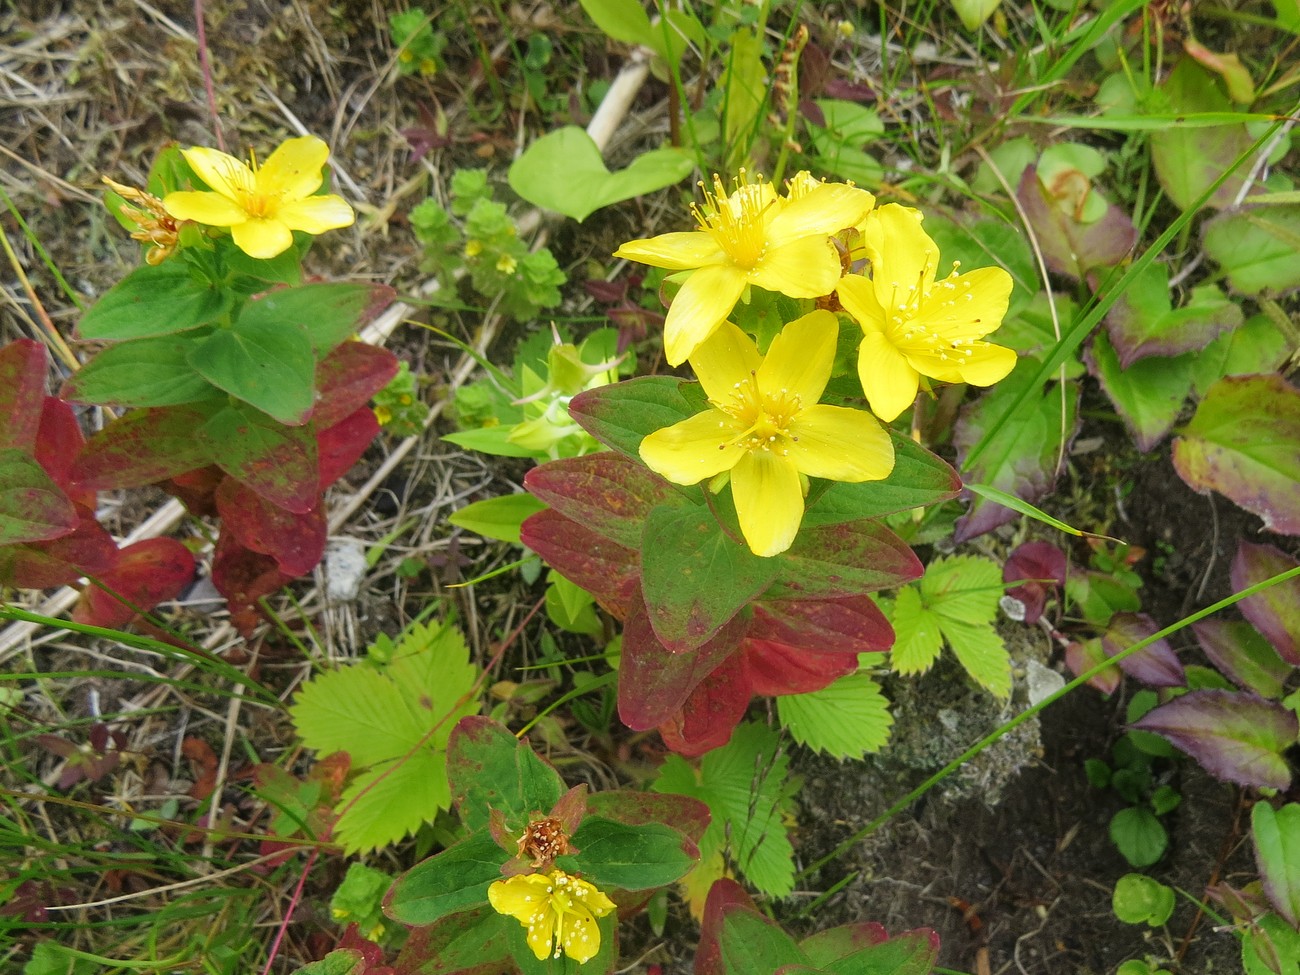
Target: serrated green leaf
x: 846, y: 720
x: 963, y: 587
x: 392, y: 800
x: 981, y: 652
x: 917, y: 641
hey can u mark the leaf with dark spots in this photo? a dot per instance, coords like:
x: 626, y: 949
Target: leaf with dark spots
x: 1155, y: 665
x: 852, y: 624
x: 1236, y: 737
x: 488, y: 768
x: 1275, y: 612
x: 89, y: 550
x: 711, y: 713
x: 243, y: 577
x: 144, y: 575
x: 842, y: 559
x: 276, y: 461
x: 347, y: 378
x: 143, y: 447
x: 295, y: 540
x: 339, y: 447
x: 604, y: 568
x: 607, y: 492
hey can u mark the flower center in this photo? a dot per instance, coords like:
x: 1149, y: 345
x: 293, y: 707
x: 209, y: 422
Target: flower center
x: 252, y: 199
x: 928, y: 321
x: 737, y: 222
x: 766, y: 416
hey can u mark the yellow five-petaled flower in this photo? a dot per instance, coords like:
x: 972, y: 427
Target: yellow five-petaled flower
x: 558, y: 910
x: 766, y: 427
x: 750, y: 237
x: 262, y: 205
x: 915, y: 325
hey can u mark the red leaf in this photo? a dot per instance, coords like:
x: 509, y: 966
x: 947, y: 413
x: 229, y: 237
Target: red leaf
x: 143, y: 447
x: 849, y: 625
x: 607, y: 491
x: 342, y: 445
x: 57, y: 445
x: 1081, y: 657
x: 144, y: 575
x: 197, y: 490
x: 712, y: 712
x: 778, y: 668
x: 347, y: 378
x: 604, y: 568
x: 204, y: 758
x: 244, y: 577
x: 22, y: 394
x: 295, y: 541
x: 1045, y: 565
x: 1156, y: 665
x: 89, y: 550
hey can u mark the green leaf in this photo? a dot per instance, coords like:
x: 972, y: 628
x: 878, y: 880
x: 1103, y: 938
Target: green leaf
x: 919, y: 478
x: 1257, y: 248
x: 268, y: 366
x: 477, y: 940
x: 1138, y: 836
x: 490, y: 440
x: 1244, y: 442
x: 1141, y: 900
x: 601, y: 964
x: 32, y: 507
x: 622, y: 414
x: 497, y: 518
x: 489, y: 768
x: 328, y: 313
x: 1143, y: 321
x: 849, y: 719
x: 142, y: 372
x: 696, y: 577
x: 1149, y: 394
x: 638, y: 857
x: 151, y: 301
x: 981, y: 651
x: 621, y: 20
x: 973, y: 13
x: 750, y: 943
x: 340, y: 961
x: 394, y: 722
x: 563, y: 171
x: 1269, y: 946
x: 963, y: 588
x: 454, y: 880
x: 917, y: 640
x: 276, y: 461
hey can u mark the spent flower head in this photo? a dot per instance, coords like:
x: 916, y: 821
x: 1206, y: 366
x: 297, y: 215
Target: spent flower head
x: 751, y: 236
x: 766, y: 427
x: 154, y: 226
x: 558, y: 910
x: 262, y: 205
x: 916, y: 325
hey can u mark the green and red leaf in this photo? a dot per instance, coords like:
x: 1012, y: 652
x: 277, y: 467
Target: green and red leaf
x: 606, y: 569
x: 22, y: 394
x: 327, y: 313
x: 277, y: 461
x: 143, y: 575
x: 296, y: 540
x: 607, y: 492
x: 1275, y: 612
x: 347, y: 378
x: 143, y: 447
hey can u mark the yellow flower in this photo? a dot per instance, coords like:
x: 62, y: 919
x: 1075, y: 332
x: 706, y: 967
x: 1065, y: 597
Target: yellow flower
x: 916, y: 326
x: 559, y: 912
x: 767, y: 428
x: 752, y: 237
x: 262, y: 205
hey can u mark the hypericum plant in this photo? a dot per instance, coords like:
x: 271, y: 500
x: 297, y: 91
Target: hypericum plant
x: 244, y: 397
x: 477, y: 235
x: 736, y: 526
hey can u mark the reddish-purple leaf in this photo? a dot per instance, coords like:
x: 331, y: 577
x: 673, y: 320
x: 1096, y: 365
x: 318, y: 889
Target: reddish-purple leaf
x: 1082, y: 656
x: 688, y: 816
x: 145, y: 574
x: 341, y: 446
x: 197, y: 490
x: 1244, y: 442
x: 276, y: 461
x: 779, y: 668
x: 347, y: 378
x: 244, y: 577
x: 850, y: 625
x: 844, y: 559
x: 608, y: 492
x: 1275, y: 612
x: 1243, y: 656
x: 1044, y: 565
x: 142, y: 447
x: 1156, y: 665
x: 1069, y: 246
x: 22, y: 394
x: 1143, y: 322
x: 604, y: 568
x: 709, y: 716
x: 295, y: 540
x: 1237, y: 737
x: 653, y: 682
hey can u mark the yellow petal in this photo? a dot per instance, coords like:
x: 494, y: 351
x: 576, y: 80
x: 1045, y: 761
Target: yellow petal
x: 840, y: 444
x: 902, y: 254
x: 211, y: 209
x: 858, y: 296
x: 579, y: 935
x: 769, y: 501
x: 702, y: 304
x: 293, y: 171
x: 694, y: 449
x: 987, y: 364
x: 825, y: 209
x: 316, y: 214
x: 590, y: 895
x: 262, y: 239
x: 800, y: 358
x: 520, y: 897
x: 541, y: 935
x: 805, y: 268
x: 222, y: 173
x: 972, y: 307
x: 888, y: 378
x: 727, y: 358
x: 677, y: 252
